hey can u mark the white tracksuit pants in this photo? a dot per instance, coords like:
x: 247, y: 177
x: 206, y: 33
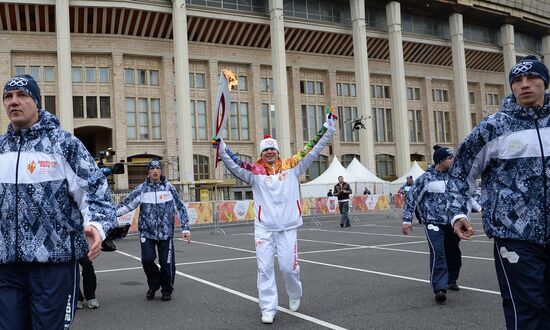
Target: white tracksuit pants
x: 285, y: 245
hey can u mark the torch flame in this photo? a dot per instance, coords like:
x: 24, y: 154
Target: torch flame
x: 232, y: 80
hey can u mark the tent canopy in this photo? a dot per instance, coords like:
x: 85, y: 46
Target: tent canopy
x: 415, y: 170
x: 320, y: 185
x: 374, y: 183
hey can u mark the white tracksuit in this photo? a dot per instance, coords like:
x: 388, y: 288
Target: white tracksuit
x: 278, y: 214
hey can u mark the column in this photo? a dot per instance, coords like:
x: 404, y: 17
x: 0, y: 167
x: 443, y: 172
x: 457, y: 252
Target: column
x: 399, y: 96
x: 546, y: 50
x: 509, y: 51
x: 460, y: 83
x: 332, y: 99
x: 120, y: 135
x: 5, y: 74
x: 181, y: 59
x: 168, y: 117
x: 64, y: 79
x: 360, y: 57
x: 278, y: 54
x: 430, y: 137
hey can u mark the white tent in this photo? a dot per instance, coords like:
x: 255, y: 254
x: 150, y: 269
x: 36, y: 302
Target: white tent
x: 374, y: 183
x: 320, y: 185
x: 415, y: 171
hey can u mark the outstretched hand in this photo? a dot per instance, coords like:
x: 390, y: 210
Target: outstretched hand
x: 94, y: 241
x: 330, y: 123
x: 406, y: 228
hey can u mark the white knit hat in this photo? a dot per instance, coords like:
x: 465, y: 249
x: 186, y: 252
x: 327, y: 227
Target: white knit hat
x: 268, y: 142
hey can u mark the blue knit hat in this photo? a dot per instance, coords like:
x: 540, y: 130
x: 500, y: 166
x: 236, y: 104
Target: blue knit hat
x: 25, y: 83
x: 529, y: 66
x: 441, y: 153
x: 155, y: 163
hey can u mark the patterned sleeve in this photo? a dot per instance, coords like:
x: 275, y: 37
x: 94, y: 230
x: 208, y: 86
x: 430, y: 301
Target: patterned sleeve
x: 180, y: 209
x: 88, y: 187
x: 413, y: 197
x: 131, y: 201
x: 303, y: 159
x: 470, y: 160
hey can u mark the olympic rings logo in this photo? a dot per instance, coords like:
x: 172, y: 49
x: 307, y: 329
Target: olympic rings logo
x: 522, y: 67
x: 18, y: 82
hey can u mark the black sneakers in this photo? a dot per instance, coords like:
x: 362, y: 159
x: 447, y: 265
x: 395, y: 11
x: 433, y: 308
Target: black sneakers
x: 150, y: 294
x: 441, y: 296
x: 453, y: 286
x: 166, y: 297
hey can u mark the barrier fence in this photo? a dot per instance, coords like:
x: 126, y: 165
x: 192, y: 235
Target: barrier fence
x: 224, y: 213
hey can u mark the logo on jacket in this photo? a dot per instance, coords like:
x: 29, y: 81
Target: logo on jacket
x: 515, y: 145
x: 31, y: 166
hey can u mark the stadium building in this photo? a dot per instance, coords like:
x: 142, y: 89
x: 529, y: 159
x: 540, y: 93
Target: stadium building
x: 140, y: 77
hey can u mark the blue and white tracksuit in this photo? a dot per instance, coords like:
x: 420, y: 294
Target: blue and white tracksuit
x: 510, y: 150
x: 158, y: 203
x: 277, y: 213
x: 50, y: 189
x: 427, y: 196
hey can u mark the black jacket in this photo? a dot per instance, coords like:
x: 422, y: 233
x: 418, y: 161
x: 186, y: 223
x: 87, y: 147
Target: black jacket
x: 343, y: 193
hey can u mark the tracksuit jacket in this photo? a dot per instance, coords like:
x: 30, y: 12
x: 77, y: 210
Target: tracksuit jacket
x: 50, y: 188
x: 428, y: 196
x: 277, y: 195
x: 158, y: 204
x: 511, y: 148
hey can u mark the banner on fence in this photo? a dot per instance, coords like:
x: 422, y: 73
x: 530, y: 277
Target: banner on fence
x: 231, y: 211
x: 399, y: 201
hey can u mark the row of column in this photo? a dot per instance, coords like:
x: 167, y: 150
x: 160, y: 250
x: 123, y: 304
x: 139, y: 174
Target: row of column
x: 393, y: 12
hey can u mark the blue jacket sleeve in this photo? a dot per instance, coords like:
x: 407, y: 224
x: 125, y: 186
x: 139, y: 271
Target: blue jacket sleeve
x: 131, y: 201
x: 180, y: 209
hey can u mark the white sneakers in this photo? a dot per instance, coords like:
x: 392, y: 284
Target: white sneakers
x: 294, y: 304
x: 93, y: 303
x: 267, y: 319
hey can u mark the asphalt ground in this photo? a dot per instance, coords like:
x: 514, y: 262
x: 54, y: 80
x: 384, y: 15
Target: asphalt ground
x: 368, y: 276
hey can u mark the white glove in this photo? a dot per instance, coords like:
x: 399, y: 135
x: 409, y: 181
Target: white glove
x: 330, y: 123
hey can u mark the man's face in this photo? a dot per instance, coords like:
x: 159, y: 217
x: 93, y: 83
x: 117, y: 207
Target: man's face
x: 340, y: 179
x: 528, y: 90
x: 270, y: 156
x: 20, y: 109
x: 154, y: 174
x: 446, y: 164
x: 409, y: 181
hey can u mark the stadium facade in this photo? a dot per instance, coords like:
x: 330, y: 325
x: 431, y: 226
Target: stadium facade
x: 122, y: 74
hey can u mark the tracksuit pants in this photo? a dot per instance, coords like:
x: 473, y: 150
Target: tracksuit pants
x: 162, y: 278
x: 89, y: 280
x: 445, y: 255
x: 38, y: 295
x: 523, y: 272
x: 285, y: 245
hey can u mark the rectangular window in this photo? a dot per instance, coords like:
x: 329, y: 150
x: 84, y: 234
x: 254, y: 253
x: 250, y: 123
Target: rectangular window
x: 131, y: 122
x: 76, y: 74
x: 442, y: 126
x: 143, y: 119
x: 129, y: 76
x: 440, y: 95
x: 154, y: 77
x: 312, y: 119
x: 473, y: 119
x: 155, y: 119
x: 338, y: 89
x: 310, y: 87
x: 90, y: 75
x: 245, y: 129
x: 141, y: 77
x: 319, y: 88
x: 383, y: 129
x: 347, y: 118
x: 35, y: 73
x: 91, y: 107
x: 263, y: 84
x: 19, y: 69
x: 302, y: 87
x: 201, y: 120
x: 104, y: 75
x: 353, y: 90
x: 234, y: 121
x: 271, y: 87
x: 105, y: 106
x: 78, y: 107
x: 200, y: 80
x: 49, y: 74
x: 413, y: 94
x: 415, y: 126
x: 49, y: 104
x: 243, y: 83
x: 472, y: 97
x: 191, y: 80
x: 345, y: 90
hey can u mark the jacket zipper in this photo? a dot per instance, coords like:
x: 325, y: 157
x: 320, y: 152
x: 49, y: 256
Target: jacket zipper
x: 544, y: 181
x: 20, y: 142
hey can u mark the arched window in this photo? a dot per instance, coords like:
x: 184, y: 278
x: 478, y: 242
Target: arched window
x: 201, y: 167
x: 385, y: 167
x: 345, y: 160
x: 228, y: 175
x: 317, y: 168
